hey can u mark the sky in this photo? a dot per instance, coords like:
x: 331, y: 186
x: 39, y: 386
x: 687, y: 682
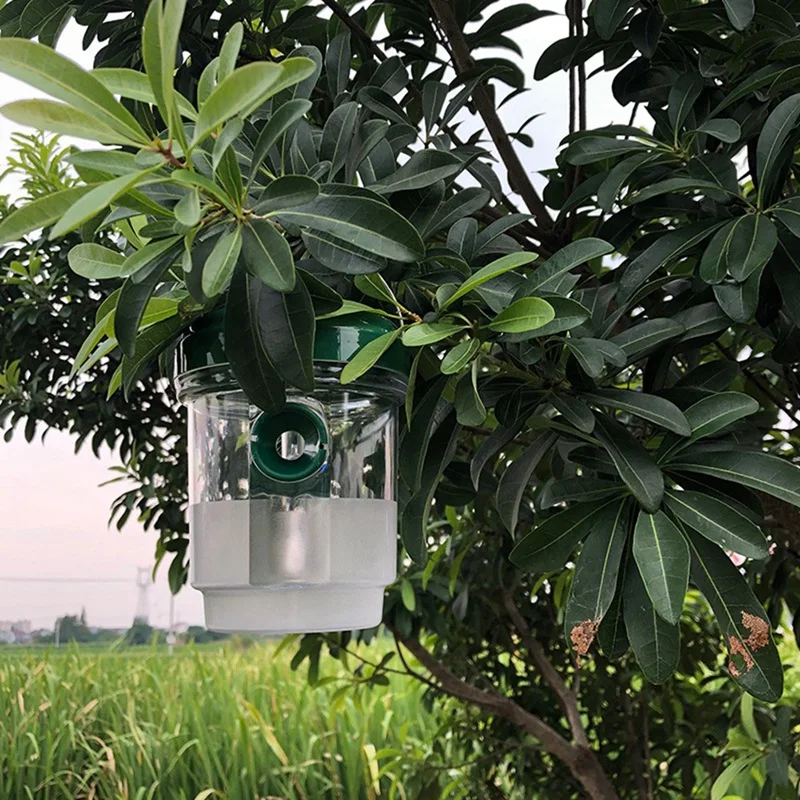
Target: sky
x: 54, y: 516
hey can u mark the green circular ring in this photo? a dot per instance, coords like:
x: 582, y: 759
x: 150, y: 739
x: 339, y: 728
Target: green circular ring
x: 268, y: 427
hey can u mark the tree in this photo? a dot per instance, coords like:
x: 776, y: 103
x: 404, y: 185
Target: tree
x: 72, y: 628
x: 608, y: 368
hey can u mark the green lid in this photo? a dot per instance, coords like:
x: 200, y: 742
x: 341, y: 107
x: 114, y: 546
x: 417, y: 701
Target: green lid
x: 337, y: 339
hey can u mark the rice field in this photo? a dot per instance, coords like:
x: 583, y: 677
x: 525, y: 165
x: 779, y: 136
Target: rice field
x: 204, y: 723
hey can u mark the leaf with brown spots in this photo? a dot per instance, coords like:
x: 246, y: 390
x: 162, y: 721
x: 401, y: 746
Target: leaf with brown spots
x: 754, y: 661
x: 595, y: 580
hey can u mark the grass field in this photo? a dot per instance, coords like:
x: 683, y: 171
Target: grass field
x: 204, y: 723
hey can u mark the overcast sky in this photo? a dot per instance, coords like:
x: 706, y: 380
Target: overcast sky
x: 54, y: 513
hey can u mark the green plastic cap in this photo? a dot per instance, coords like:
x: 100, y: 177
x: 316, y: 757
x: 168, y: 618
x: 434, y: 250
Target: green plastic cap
x: 337, y: 339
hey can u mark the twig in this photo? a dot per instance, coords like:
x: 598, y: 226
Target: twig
x: 357, y: 30
x: 566, y: 697
x: 463, y: 62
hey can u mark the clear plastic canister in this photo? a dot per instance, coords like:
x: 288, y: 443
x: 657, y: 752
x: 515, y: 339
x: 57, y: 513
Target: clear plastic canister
x: 293, y: 515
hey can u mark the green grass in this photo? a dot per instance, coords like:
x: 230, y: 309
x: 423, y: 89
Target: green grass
x: 206, y: 722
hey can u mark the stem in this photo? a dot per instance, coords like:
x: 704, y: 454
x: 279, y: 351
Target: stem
x: 463, y: 62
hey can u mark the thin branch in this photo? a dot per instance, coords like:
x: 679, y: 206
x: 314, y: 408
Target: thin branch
x: 566, y: 697
x: 580, y: 760
x: 356, y: 29
x: 463, y: 62
x: 634, y: 753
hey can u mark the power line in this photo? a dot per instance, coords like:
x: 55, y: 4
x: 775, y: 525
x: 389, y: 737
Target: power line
x: 18, y: 579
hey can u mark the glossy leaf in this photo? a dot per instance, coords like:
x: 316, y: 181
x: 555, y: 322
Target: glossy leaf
x: 96, y: 262
x: 362, y: 222
x: 246, y: 89
x: 424, y: 168
x: 470, y: 409
x: 754, y: 662
x: 220, y: 264
x: 460, y: 356
x: 647, y: 406
x: 655, y: 642
x: 276, y: 126
x: 267, y: 256
x: 244, y: 347
x: 287, y: 326
x: 633, y: 463
x: 516, y: 478
x: 662, y: 555
x: 497, y: 267
x: 523, y: 315
x: 760, y: 471
x: 549, y: 545
x: 719, y: 522
x: 773, y: 138
x: 753, y: 238
x: 594, y: 582
x: 39, y: 213
x: 368, y: 356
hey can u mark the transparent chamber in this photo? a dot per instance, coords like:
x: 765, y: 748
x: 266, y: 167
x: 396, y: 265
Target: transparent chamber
x: 292, y: 515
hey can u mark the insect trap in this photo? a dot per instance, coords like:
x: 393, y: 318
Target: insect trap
x: 292, y: 514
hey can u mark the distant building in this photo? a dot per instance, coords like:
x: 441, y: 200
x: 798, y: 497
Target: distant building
x: 16, y: 631
x: 23, y: 626
x: 6, y: 625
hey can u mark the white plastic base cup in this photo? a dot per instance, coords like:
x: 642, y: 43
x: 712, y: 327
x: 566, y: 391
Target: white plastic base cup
x: 306, y: 609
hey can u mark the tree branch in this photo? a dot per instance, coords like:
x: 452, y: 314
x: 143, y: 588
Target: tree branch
x: 580, y: 760
x: 517, y: 176
x: 356, y: 29
x: 566, y: 697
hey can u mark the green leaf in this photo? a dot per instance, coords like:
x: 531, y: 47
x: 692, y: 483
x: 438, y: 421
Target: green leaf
x: 588, y: 356
x: 414, y: 520
x: 641, y: 339
x: 267, y: 255
x: 425, y: 167
x: 755, y: 663
x: 243, y: 346
x: 227, y: 137
x: 364, y: 223
x: 375, y: 286
x: 246, y: 89
x: 39, y: 213
x: 368, y: 356
x: 51, y: 73
x: 276, y: 126
x: 633, y: 462
x: 414, y: 446
x: 594, y: 582
x: 48, y: 115
x: 647, y: 406
x: 590, y: 149
x: 525, y: 314
x: 229, y: 52
x: 753, y: 239
x: 147, y: 347
x: 337, y: 63
x: 113, y: 162
x: 515, y: 480
x: 774, y: 135
x: 726, y: 130
x: 288, y: 191
x: 710, y: 415
x: 760, y: 471
x: 497, y: 267
x: 207, y: 82
x: 326, y: 300
x: 662, y: 555
x: 672, y: 186
x: 549, y: 545
x: 460, y: 356
x: 470, y: 409
x: 573, y: 490
x: 719, y: 522
x: 608, y: 16
x: 95, y: 200
x: 287, y: 327
x: 664, y: 250
x: 645, y: 31
x: 135, y: 86
x: 194, y: 179
x: 655, y: 643
x: 561, y: 263
x: 568, y: 313
x: 574, y: 411
x: 337, y: 136
x: 220, y: 264
x: 788, y: 212
x: 719, y: 789
x: 187, y: 210
x: 407, y: 594
x: 133, y: 300
x: 96, y: 262
x: 434, y: 94
x: 714, y: 263
x: 430, y: 332
x: 740, y: 12
x: 611, y: 635
x: 682, y: 97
